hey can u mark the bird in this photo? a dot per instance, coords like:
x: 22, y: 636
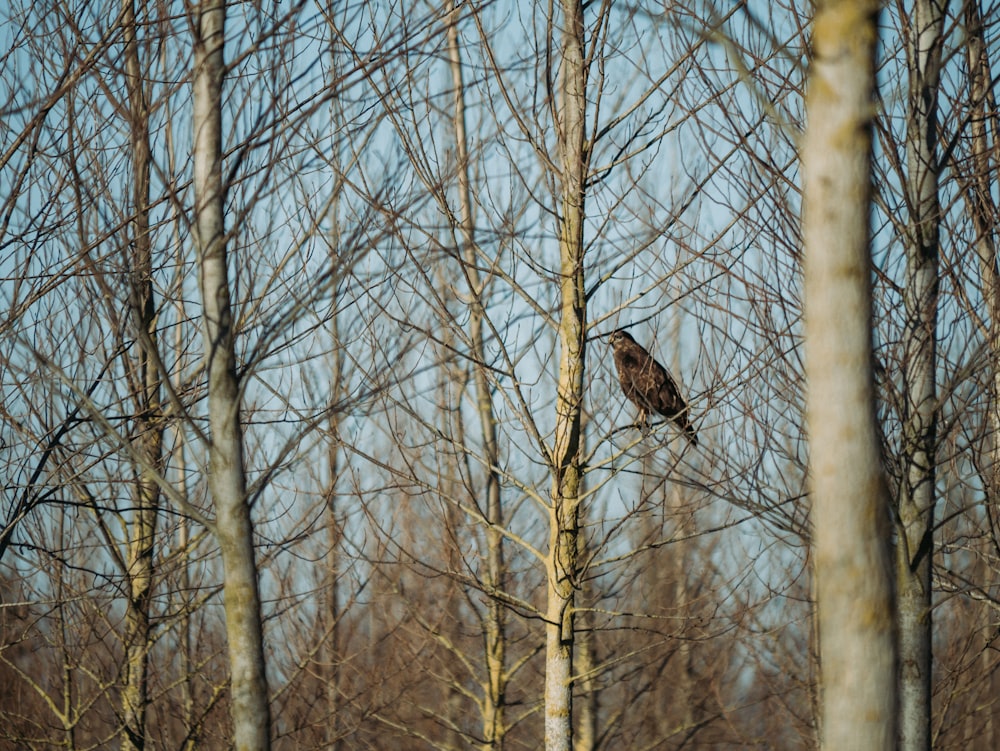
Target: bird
x: 648, y: 385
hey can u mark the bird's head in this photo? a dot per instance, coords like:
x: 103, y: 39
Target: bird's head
x: 619, y: 336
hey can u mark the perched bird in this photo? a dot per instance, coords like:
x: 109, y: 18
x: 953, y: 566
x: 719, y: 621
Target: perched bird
x: 648, y: 385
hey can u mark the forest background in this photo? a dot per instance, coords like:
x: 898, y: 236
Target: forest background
x: 310, y: 435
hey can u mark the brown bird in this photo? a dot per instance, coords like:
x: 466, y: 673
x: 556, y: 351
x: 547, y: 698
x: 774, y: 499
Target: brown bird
x: 648, y: 385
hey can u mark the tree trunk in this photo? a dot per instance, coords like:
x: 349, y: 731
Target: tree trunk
x: 149, y: 425
x: 587, y: 705
x: 226, y: 476
x: 562, y: 562
x: 494, y: 723
x: 852, y: 560
x: 330, y: 652
x: 983, y: 210
x: 915, y: 509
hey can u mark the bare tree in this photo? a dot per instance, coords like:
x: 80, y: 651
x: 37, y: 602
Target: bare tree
x: 495, y: 688
x: 916, y: 498
x: 562, y: 564
x: 139, y: 563
x: 976, y: 176
x: 850, y: 538
x: 226, y: 474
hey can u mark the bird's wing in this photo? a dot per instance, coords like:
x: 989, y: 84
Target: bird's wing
x: 642, y: 377
x: 668, y: 396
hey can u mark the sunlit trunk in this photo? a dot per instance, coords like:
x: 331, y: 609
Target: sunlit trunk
x: 226, y: 476
x: 853, y: 570
x: 564, y: 512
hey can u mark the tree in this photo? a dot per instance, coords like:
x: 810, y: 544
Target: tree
x: 495, y: 622
x: 916, y: 495
x: 226, y: 474
x: 140, y: 559
x: 562, y: 564
x: 976, y: 176
x: 849, y: 497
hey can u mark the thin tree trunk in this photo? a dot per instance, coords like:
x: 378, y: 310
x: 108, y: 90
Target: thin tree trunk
x: 564, y: 528
x: 587, y: 706
x: 853, y: 570
x: 683, y: 694
x: 149, y: 425
x: 179, y: 478
x: 983, y: 210
x: 226, y: 475
x: 494, y: 723
x: 981, y: 205
x: 915, y: 511
x: 330, y: 653
x: 68, y: 711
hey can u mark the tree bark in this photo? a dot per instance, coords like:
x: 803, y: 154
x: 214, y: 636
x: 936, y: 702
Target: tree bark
x: 494, y: 722
x: 564, y: 529
x: 981, y: 205
x: 915, y: 505
x: 983, y: 210
x: 226, y: 474
x: 149, y: 424
x: 852, y: 559
x: 330, y: 652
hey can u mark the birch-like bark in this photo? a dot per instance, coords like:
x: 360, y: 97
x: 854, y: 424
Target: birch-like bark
x: 226, y: 475
x: 564, y: 512
x: 149, y: 424
x: 915, y: 505
x: 852, y: 559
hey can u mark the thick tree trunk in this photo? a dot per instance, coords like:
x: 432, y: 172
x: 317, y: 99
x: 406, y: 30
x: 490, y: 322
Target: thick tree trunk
x: 915, y: 505
x: 853, y: 569
x: 226, y: 476
x: 562, y: 563
x: 149, y: 425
